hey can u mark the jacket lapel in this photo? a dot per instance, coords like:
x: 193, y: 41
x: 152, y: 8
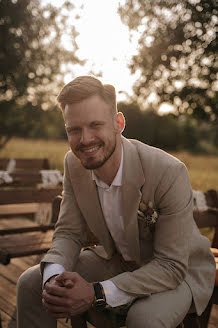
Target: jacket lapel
x: 87, y: 197
x: 133, y: 180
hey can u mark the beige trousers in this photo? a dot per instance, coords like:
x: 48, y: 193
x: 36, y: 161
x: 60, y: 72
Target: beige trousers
x: 166, y: 309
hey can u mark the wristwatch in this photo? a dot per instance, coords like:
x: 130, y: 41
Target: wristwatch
x: 100, y: 299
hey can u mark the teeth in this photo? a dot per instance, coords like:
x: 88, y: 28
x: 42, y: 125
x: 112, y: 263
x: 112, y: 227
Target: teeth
x: 90, y: 150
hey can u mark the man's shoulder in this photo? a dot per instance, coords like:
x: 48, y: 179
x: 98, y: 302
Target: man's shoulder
x: 72, y: 161
x: 153, y: 155
x: 160, y: 168
x: 70, y: 157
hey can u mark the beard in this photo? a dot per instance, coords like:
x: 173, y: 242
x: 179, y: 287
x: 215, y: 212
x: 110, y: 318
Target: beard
x: 93, y: 163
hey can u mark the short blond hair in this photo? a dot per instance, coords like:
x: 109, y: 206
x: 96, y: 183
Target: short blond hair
x: 84, y: 87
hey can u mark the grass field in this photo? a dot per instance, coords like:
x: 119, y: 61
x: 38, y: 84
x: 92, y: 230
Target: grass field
x: 203, y: 169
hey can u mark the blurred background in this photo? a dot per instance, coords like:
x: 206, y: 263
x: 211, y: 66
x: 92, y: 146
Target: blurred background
x: 160, y: 55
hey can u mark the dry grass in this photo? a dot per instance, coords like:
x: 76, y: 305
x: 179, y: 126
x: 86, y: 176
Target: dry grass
x: 54, y: 150
x: 203, y: 169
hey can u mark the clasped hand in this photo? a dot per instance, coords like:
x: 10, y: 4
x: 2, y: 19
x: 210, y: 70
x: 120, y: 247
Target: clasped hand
x: 67, y: 294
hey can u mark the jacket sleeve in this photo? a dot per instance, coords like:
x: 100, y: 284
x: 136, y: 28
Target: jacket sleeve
x: 171, y: 243
x: 70, y: 231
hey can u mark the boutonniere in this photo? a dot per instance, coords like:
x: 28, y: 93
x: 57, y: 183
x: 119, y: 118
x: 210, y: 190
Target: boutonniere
x: 147, y: 213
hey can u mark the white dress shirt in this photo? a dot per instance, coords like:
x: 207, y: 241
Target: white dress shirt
x: 110, y: 199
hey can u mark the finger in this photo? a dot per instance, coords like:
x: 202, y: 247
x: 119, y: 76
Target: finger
x: 55, y: 290
x: 51, y: 308
x: 67, y: 275
x: 55, y: 300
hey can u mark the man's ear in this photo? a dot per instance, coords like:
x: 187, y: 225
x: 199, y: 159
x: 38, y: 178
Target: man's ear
x: 119, y: 122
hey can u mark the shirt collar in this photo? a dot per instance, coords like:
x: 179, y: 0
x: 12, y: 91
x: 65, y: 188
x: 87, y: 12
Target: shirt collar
x: 118, y: 178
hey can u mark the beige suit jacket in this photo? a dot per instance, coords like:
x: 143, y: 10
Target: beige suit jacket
x: 171, y: 252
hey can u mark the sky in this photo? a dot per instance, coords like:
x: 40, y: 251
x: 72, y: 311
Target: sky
x: 103, y: 41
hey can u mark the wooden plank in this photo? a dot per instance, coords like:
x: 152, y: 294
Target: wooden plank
x: 25, y: 178
x: 16, y: 222
x: 212, y: 198
x: 31, y: 250
x: 20, y: 196
x: 7, y: 254
x: 7, y: 321
x: 18, y: 209
x: 19, y: 245
x: 13, y: 273
x: 23, y: 263
x: 26, y: 163
x: 8, y: 307
x: 29, y: 238
x: 7, y: 302
x: 10, y: 295
x: 207, y: 218
x: 12, y: 231
x: 30, y: 260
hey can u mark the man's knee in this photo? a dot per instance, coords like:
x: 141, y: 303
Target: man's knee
x: 29, y: 282
x: 138, y: 317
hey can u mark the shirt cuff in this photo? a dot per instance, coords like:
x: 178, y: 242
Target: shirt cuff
x: 51, y: 269
x: 115, y: 296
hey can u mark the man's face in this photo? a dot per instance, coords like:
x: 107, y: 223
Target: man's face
x: 91, y: 131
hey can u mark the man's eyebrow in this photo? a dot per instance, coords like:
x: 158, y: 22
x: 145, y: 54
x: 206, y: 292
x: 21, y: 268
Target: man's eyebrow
x: 99, y: 122
x: 68, y: 128
x: 72, y: 127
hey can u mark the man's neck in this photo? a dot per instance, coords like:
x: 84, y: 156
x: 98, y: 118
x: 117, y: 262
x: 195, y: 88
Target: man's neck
x: 108, y: 171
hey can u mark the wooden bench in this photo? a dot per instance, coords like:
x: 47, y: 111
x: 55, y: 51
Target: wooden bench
x: 17, y: 242
x: 20, y: 181
x: 25, y: 172
x: 35, y: 239
x: 20, y: 164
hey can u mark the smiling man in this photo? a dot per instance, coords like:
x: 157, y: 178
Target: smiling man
x: 93, y: 131
x: 137, y: 200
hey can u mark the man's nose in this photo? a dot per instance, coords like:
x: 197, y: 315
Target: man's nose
x: 86, y: 137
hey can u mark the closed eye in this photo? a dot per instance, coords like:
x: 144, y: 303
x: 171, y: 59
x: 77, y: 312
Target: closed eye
x: 96, y: 124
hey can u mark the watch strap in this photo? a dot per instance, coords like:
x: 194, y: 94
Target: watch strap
x: 100, y: 299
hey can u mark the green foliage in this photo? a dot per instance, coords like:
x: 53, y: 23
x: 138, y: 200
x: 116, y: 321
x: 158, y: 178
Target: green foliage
x: 47, y: 124
x: 31, y: 55
x: 168, y: 132
x: 177, y: 53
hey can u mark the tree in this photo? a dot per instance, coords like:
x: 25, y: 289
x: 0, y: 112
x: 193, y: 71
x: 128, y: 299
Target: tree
x: 151, y: 128
x: 31, y: 58
x: 176, y: 53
